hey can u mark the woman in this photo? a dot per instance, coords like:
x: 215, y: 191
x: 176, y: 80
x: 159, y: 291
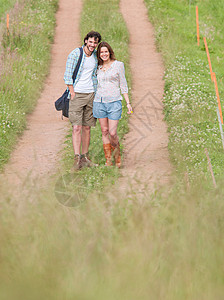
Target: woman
x: 107, y: 105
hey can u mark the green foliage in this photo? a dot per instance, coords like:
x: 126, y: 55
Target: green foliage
x: 25, y: 60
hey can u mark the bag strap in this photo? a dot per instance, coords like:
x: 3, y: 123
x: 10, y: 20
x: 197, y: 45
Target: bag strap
x: 78, y: 65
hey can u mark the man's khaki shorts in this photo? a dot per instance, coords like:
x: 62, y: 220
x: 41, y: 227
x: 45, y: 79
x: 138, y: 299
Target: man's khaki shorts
x: 81, y: 110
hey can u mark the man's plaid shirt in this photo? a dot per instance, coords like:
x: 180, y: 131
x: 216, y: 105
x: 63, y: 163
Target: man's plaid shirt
x: 71, y: 64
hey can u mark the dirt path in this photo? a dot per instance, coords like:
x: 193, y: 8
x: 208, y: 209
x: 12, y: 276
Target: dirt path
x: 146, y: 159
x: 36, y: 154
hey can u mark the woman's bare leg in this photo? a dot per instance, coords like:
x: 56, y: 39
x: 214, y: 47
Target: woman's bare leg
x: 113, y: 132
x: 105, y: 130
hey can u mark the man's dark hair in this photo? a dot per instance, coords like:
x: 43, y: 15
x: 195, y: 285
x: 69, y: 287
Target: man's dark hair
x: 96, y: 35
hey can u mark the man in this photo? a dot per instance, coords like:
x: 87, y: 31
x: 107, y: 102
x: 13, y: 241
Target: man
x: 81, y: 97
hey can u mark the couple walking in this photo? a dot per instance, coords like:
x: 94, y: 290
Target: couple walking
x: 95, y: 94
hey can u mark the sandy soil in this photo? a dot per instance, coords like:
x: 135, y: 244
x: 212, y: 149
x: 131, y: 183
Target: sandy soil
x: 36, y: 154
x: 146, y: 160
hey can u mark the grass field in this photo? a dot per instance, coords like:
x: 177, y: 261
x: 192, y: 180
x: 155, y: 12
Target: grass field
x: 190, y: 98
x: 24, y: 66
x: 4, y: 6
x: 157, y: 247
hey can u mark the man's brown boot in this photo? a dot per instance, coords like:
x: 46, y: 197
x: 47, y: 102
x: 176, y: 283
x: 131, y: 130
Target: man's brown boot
x: 117, y: 155
x: 107, y: 152
x: 77, y: 162
x: 86, y: 161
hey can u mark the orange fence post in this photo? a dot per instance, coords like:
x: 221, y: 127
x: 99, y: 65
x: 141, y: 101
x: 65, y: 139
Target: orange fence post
x: 217, y: 94
x: 209, y: 61
x: 7, y: 23
x: 197, y: 23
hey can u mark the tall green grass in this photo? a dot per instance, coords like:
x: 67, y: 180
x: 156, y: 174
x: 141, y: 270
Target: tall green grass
x: 112, y: 247
x: 24, y: 66
x: 4, y: 6
x: 190, y: 99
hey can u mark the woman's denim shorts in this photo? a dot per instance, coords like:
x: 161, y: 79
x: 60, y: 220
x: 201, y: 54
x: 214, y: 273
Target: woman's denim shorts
x: 110, y: 110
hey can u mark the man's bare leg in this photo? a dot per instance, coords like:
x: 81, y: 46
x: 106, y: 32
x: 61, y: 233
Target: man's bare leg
x: 85, y: 138
x: 86, y: 162
x: 76, y: 138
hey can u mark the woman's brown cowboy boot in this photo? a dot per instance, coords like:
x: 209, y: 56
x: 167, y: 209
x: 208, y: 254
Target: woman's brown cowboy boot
x: 107, y: 152
x: 117, y: 155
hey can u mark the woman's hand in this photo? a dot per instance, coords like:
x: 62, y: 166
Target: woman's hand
x: 129, y: 109
x: 128, y: 103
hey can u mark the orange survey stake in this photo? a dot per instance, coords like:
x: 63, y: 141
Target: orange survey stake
x: 218, y: 98
x: 209, y: 61
x: 197, y: 23
x: 7, y: 22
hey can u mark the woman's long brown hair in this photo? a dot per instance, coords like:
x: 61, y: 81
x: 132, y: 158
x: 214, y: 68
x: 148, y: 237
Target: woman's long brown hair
x: 105, y: 44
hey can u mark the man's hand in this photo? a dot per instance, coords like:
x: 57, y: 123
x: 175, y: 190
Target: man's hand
x: 71, y: 90
x: 72, y: 94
